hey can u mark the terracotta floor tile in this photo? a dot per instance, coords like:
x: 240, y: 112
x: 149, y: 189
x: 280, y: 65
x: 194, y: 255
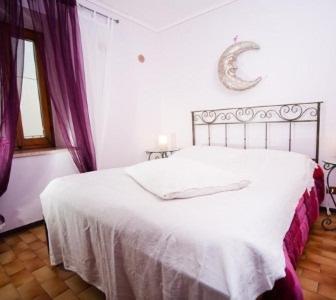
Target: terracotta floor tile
x: 327, y: 242
x: 63, y: 274
x: 308, y: 284
x: 42, y: 236
x: 28, y: 237
x: 12, y: 240
x: 321, y: 259
x: 30, y: 290
x: 33, y: 264
x: 7, y: 257
x: 299, y: 271
x: 67, y: 295
x: 91, y: 294
x: 315, y: 236
x: 327, y: 248
x: 54, y: 287
x: 314, y: 243
x: 19, y: 247
x: 4, y: 247
x: 21, y: 278
x: 46, y: 261
x: 9, y: 292
x: 307, y: 295
x: 76, y: 284
x: 43, y: 297
x: 26, y: 255
x: 323, y: 233
x: 306, y: 264
x: 37, y: 229
x: 4, y: 278
x: 328, y: 270
x: 13, y: 267
x: 327, y: 290
x: 321, y: 251
x: 37, y: 245
x: 44, y: 274
x: 42, y: 253
x: 319, y: 277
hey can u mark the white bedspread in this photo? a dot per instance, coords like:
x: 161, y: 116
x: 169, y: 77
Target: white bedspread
x: 132, y: 244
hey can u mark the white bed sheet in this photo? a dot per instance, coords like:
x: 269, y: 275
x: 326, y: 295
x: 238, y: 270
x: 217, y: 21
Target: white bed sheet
x: 132, y: 244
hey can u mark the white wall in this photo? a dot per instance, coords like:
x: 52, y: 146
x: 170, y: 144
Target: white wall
x: 20, y: 205
x: 124, y: 109
x: 134, y: 107
x: 296, y: 59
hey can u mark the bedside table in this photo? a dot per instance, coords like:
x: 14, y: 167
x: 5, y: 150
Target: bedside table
x: 157, y: 153
x: 329, y: 166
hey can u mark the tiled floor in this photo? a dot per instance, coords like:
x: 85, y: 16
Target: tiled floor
x: 317, y: 266
x: 25, y: 272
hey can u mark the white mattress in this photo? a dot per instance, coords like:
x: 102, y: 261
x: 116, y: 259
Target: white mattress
x: 132, y: 244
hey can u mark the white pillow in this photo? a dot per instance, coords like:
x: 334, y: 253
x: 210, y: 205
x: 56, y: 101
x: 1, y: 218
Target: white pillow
x: 183, y: 178
x: 255, y: 164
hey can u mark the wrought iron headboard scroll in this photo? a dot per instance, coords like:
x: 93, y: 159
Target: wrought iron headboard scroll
x: 267, y: 114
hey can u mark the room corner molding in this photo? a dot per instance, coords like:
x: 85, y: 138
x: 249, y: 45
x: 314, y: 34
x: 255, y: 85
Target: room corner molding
x: 93, y: 5
x: 101, y: 6
x: 195, y: 15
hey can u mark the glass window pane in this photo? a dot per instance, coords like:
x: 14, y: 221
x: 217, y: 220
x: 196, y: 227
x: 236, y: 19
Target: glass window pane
x: 30, y: 98
x: 29, y: 70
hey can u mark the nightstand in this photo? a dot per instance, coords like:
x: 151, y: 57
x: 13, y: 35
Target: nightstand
x: 157, y: 153
x: 329, y: 166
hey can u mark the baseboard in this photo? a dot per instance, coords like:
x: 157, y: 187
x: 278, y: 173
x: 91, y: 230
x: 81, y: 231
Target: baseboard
x: 21, y: 228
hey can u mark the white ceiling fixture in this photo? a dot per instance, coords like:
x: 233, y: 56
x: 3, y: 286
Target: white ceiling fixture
x: 160, y: 15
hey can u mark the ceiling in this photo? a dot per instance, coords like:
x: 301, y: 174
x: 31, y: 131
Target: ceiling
x: 159, y: 15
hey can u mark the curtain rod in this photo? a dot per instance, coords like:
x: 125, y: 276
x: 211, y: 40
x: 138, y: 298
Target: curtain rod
x: 117, y: 21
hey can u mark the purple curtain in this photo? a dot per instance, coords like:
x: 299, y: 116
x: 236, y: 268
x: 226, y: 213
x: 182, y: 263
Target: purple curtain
x: 59, y: 45
x: 11, y: 69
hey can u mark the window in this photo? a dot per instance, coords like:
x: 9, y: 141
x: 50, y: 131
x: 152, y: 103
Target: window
x: 34, y: 128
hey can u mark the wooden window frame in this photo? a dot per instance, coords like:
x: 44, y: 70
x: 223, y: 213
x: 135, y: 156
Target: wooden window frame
x: 48, y: 141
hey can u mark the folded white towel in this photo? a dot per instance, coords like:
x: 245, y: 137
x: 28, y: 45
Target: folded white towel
x: 183, y: 178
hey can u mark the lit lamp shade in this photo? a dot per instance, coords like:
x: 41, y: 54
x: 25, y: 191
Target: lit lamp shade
x: 163, y: 142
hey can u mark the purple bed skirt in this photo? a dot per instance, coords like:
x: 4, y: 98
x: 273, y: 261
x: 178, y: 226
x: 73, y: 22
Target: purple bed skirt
x: 306, y: 213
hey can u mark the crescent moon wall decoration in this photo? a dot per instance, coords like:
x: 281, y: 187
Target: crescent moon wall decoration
x: 227, y: 67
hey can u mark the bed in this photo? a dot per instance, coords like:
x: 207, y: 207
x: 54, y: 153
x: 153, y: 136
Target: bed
x: 238, y: 244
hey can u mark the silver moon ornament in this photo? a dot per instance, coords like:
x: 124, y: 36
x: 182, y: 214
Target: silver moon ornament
x: 227, y: 67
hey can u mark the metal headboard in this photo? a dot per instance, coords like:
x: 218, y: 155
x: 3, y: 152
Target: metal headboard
x: 266, y: 114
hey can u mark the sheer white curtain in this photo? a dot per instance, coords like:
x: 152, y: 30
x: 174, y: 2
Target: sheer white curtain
x: 97, y: 41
